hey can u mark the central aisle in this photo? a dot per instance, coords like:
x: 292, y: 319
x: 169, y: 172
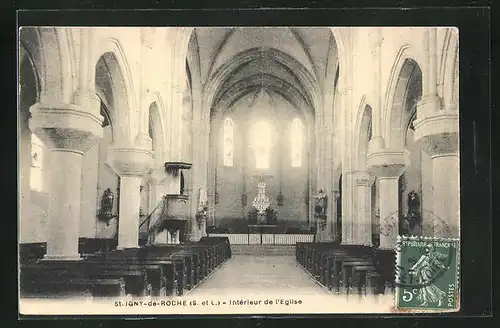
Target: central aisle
x: 251, y: 275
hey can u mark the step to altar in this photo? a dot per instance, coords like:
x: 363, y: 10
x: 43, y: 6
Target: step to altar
x: 263, y: 250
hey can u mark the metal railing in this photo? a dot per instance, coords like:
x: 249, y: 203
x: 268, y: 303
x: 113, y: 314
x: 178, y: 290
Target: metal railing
x: 265, y: 238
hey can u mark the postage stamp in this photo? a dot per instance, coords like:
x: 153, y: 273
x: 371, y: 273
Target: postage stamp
x: 427, y: 273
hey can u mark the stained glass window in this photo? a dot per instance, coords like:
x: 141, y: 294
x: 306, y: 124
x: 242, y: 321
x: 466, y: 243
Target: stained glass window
x: 296, y: 140
x: 228, y: 142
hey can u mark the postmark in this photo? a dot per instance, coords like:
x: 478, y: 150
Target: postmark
x: 425, y: 224
x: 427, y: 271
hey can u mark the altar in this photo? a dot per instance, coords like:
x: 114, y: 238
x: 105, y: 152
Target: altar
x: 269, y: 230
x: 262, y: 225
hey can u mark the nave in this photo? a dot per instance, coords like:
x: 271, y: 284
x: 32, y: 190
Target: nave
x: 259, y: 275
x: 175, y: 146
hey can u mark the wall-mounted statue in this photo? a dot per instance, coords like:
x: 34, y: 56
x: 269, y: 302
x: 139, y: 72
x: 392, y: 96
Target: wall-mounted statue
x: 413, y: 205
x: 280, y: 198
x: 321, y: 203
x: 202, y: 210
x: 106, y: 211
x: 410, y: 224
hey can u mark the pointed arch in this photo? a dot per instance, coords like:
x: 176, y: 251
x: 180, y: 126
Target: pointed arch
x: 50, y: 51
x: 406, y: 72
x: 123, y: 101
x: 448, y: 71
x: 307, y: 80
x: 363, y: 132
x: 156, y: 123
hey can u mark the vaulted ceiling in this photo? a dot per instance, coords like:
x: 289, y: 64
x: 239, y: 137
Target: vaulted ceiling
x: 291, y: 62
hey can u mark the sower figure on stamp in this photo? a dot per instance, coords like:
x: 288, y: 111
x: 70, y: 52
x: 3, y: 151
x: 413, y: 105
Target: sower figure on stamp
x: 424, y: 271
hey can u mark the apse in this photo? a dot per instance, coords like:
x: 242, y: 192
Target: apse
x: 260, y: 139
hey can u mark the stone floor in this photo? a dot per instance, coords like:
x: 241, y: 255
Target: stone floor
x: 256, y: 274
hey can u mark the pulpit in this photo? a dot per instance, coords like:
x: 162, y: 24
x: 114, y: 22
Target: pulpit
x: 175, y: 213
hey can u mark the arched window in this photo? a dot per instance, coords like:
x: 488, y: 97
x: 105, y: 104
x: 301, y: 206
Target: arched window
x: 261, y: 144
x: 36, y: 172
x: 228, y: 142
x: 296, y: 142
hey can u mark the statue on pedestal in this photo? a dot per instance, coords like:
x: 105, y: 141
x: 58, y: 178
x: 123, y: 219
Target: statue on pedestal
x: 202, y: 210
x: 411, y: 222
x: 320, y: 208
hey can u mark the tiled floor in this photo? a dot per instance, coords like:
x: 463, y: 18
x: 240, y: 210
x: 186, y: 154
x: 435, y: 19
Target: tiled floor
x: 253, y: 274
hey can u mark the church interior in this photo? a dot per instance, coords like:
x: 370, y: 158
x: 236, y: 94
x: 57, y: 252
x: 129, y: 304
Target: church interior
x: 156, y: 160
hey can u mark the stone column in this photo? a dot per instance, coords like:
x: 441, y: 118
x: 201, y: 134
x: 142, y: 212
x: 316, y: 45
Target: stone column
x: 68, y: 131
x: 363, y: 225
x: 328, y: 175
x: 437, y: 132
x: 348, y: 207
x: 333, y: 219
x: 131, y: 164
x: 388, y: 165
x: 200, y: 147
x: 377, y: 141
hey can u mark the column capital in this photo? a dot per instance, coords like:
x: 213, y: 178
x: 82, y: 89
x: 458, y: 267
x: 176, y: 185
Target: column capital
x: 363, y: 178
x: 66, y: 126
x: 130, y: 161
x: 387, y: 163
x: 437, y: 132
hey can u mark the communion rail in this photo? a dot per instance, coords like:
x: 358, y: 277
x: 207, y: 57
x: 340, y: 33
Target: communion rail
x: 265, y: 238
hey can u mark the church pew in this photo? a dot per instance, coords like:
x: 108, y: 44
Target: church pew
x: 182, y: 263
x: 31, y: 252
x: 161, y: 272
x: 206, y: 255
x: 319, y: 257
x: 222, y: 243
x: 328, y: 258
x: 200, y: 255
x: 315, y: 255
x: 344, y: 270
x: 136, y: 278
x: 194, y: 267
x: 301, y: 249
x: 385, y: 260
x: 359, y: 274
x: 51, y: 286
x: 344, y: 267
x: 217, y: 252
x: 96, y: 245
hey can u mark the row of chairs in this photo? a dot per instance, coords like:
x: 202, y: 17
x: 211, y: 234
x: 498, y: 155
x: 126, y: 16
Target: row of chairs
x: 348, y: 269
x: 153, y: 270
